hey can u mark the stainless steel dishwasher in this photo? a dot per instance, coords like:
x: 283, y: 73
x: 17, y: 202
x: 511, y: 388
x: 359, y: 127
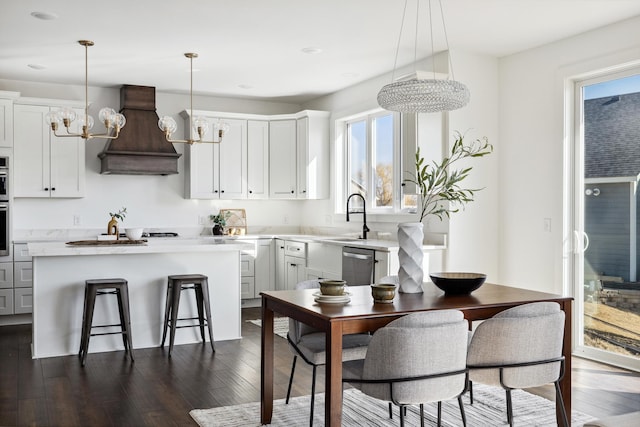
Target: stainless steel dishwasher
x: 358, y: 266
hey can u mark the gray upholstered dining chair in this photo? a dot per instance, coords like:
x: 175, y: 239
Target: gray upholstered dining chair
x: 519, y: 348
x: 309, y: 344
x: 416, y: 359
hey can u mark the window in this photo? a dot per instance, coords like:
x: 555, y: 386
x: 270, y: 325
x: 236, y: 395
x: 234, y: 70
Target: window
x: 372, y: 159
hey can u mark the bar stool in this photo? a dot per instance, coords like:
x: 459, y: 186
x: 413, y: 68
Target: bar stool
x: 176, y: 284
x: 98, y: 287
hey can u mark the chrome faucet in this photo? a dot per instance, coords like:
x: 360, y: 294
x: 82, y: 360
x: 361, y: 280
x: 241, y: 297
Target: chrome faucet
x: 365, y: 229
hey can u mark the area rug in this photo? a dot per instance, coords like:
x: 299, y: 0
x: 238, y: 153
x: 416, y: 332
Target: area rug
x: 488, y: 409
x: 280, y: 325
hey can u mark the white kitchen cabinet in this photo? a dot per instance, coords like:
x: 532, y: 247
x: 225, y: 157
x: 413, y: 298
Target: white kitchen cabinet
x: 6, y: 118
x: 312, y: 144
x: 280, y: 276
x: 44, y: 165
x: 218, y: 171
x: 282, y: 159
x: 295, y: 271
x: 257, y: 269
x: 22, y: 300
x: 6, y: 275
x: 6, y: 302
x: 257, y: 159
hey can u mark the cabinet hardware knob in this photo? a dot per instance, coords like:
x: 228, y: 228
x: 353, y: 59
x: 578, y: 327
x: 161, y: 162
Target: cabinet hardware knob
x: 250, y: 192
x: 292, y: 191
x: 215, y: 191
x: 53, y: 188
x: 222, y: 191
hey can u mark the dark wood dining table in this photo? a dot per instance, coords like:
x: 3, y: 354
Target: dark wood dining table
x: 362, y: 315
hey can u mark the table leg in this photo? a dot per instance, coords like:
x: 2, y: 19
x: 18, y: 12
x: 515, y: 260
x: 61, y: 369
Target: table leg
x: 565, y: 382
x: 266, y: 371
x: 333, y: 376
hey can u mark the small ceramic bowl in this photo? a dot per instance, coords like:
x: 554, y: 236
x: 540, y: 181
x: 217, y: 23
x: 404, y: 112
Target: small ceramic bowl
x: 383, y: 293
x: 134, y: 233
x: 332, y: 287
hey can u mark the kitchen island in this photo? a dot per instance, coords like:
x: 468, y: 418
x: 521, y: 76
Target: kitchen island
x: 60, y: 271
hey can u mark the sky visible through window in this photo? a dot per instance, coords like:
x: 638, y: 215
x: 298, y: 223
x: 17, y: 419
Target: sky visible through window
x: 613, y: 87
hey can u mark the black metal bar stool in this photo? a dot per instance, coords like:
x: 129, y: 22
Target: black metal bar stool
x: 176, y: 284
x: 97, y: 287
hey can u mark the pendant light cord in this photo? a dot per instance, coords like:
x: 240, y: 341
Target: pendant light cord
x: 395, y: 61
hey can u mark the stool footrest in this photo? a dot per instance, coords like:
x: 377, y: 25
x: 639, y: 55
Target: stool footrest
x: 109, y: 333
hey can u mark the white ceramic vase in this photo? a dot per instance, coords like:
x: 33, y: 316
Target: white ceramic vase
x: 410, y: 257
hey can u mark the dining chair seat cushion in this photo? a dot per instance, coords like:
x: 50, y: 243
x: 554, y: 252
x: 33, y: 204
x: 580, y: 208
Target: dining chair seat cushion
x: 533, y: 332
x: 312, y: 347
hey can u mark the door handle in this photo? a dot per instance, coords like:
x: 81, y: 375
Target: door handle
x: 356, y: 256
x: 580, y: 247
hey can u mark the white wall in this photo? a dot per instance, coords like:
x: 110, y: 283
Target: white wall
x: 532, y: 147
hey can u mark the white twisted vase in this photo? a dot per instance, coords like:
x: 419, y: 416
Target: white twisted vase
x: 410, y: 256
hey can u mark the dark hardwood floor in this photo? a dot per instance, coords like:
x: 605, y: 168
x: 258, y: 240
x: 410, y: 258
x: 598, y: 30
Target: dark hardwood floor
x: 158, y: 391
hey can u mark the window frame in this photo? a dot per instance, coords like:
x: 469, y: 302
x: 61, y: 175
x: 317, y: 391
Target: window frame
x: 369, y: 117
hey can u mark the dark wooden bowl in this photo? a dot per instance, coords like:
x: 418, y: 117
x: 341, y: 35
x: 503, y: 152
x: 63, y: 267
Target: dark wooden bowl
x: 458, y: 283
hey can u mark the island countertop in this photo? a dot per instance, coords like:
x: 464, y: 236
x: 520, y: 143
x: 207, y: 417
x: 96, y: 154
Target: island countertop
x: 44, y: 249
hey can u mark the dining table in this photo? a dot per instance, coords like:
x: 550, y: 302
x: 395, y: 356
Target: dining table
x: 361, y: 314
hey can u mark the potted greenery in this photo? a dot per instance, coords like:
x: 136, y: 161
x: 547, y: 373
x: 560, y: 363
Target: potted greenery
x: 441, y: 193
x: 438, y: 184
x: 112, y: 226
x: 219, y: 222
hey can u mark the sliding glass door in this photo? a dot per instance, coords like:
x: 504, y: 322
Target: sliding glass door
x: 607, y: 218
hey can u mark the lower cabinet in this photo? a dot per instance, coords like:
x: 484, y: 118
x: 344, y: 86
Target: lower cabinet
x: 16, y: 282
x: 256, y: 269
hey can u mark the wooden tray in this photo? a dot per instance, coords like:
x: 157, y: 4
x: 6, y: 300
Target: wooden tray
x: 106, y: 242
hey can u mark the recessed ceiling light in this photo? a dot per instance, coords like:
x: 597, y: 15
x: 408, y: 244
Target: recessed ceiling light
x: 36, y: 66
x: 45, y: 16
x: 245, y: 86
x: 350, y: 75
x: 311, y: 50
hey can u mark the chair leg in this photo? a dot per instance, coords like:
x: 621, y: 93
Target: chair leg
x: 439, y: 413
x: 560, y: 400
x: 313, y: 394
x: 462, y: 414
x: 175, y: 303
x: 422, y: 415
x: 207, y: 311
x: 402, y: 415
x: 390, y: 411
x: 293, y: 370
x: 197, y: 288
x: 86, y: 328
x: 126, y: 316
x: 471, y: 392
x: 509, y: 408
x: 167, y: 310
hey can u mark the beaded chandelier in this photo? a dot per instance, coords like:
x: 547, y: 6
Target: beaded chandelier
x: 419, y: 95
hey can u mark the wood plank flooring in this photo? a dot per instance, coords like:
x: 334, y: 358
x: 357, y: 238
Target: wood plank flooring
x: 158, y: 391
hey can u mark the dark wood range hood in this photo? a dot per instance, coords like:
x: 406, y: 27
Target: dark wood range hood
x: 141, y: 148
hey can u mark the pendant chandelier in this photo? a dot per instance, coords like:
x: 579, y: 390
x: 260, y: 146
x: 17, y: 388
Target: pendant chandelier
x: 199, y: 125
x: 112, y: 121
x: 421, y: 95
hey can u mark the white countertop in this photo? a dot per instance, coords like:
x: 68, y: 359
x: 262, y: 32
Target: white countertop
x: 57, y: 247
x: 157, y: 245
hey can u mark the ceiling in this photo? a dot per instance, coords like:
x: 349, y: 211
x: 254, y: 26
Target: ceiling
x: 254, y: 48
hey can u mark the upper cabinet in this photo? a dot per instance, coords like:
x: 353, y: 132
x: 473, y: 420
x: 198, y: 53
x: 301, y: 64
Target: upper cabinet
x: 313, y: 155
x: 218, y: 170
x: 257, y: 159
x: 260, y: 157
x: 299, y: 156
x: 45, y: 165
x: 6, y: 118
x: 282, y: 159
